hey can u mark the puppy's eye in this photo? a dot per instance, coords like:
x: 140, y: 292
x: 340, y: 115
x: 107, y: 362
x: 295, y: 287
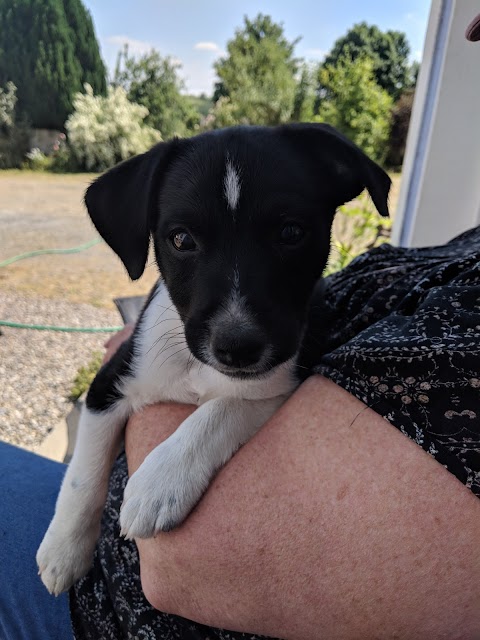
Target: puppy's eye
x: 291, y: 233
x: 182, y: 240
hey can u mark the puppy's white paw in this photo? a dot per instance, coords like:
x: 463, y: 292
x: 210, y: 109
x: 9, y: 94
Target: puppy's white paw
x: 64, y: 557
x: 161, y: 493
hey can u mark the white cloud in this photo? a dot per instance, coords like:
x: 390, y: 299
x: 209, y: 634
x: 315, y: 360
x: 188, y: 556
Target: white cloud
x: 135, y: 47
x: 208, y: 46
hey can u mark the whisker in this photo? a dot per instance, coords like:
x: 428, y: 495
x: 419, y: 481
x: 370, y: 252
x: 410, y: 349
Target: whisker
x: 173, y: 354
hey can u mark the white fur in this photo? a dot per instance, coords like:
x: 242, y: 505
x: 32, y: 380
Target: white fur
x: 176, y: 473
x: 66, y: 552
x: 231, y: 185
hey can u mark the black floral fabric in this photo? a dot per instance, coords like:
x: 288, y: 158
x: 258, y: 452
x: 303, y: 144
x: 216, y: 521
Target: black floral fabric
x: 404, y: 337
x: 108, y: 604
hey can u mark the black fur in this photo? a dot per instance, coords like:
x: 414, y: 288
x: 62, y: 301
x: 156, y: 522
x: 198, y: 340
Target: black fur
x: 292, y: 173
x: 103, y: 392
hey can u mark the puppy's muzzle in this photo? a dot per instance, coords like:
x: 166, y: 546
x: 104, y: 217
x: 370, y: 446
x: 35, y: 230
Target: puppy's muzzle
x: 237, y: 348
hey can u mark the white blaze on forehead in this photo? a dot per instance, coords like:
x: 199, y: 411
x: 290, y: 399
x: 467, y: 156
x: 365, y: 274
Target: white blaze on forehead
x: 231, y: 185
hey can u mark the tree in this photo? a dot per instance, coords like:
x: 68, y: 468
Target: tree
x: 257, y: 78
x: 304, y: 102
x: 202, y: 103
x: 153, y: 82
x: 86, y: 46
x: 48, y: 49
x: 356, y: 105
x: 389, y: 51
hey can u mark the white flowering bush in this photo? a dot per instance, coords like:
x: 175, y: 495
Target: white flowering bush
x: 36, y: 160
x: 105, y: 130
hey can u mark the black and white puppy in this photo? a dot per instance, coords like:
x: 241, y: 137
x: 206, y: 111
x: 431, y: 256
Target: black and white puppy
x: 240, y: 220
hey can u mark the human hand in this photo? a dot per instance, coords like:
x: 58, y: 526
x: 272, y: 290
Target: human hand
x: 112, y: 344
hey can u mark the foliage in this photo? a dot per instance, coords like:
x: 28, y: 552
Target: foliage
x: 8, y: 100
x: 357, y: 228
x: 304, y: 101
x: 401, y: 113
x: 257, y: 76
x: 105, y: 130
x: 202, y: 104
x: 48, y: 49
x: 85, y: 376
x: 35, y: 160
x: 87, y: 52
x: 153, y: 81
x: 14, y: 136
x: 224, y: 113
x: 356, y: 105
x: 64, y: 161
x: 413, y: 72
x: 388, y: 50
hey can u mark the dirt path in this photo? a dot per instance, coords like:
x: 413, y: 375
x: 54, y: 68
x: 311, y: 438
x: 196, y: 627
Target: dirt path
x: 42, y: 211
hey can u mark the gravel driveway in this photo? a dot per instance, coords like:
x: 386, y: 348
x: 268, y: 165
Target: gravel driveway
x: 39, y: 211
x: 37, y: 367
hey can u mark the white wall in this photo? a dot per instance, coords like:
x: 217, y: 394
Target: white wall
x: 440, y: 192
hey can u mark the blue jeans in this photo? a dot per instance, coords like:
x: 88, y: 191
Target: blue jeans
x: 29, y: 486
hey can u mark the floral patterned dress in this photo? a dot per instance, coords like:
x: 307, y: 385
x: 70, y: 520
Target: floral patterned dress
x: 404, y: 338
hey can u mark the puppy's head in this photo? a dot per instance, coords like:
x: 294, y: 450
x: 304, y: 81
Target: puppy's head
x: 240, y: 220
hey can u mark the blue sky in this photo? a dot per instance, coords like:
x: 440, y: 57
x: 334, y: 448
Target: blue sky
x: 195, y: 32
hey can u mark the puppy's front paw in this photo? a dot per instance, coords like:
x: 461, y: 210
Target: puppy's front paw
x: 160, y: 494
x: 64, y: 557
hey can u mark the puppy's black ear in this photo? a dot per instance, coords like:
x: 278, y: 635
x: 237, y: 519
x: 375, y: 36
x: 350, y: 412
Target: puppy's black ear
x: 345, y: 168
x: 123, y: 204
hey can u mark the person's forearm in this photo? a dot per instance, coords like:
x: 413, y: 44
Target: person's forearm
x: 328, y: 523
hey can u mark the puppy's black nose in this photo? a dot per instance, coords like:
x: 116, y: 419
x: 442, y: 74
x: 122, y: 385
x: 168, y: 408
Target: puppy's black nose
x: 237, y: 349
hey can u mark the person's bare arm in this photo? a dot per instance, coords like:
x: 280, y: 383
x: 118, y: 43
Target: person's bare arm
x: 328, y: 523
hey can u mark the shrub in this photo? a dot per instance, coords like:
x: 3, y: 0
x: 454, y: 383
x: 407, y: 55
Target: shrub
x: 102, y: 131
x: 35, y: 160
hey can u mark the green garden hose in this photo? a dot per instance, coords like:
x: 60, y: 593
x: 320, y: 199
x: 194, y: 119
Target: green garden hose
x: 46, y: 327
x: 42, y: 252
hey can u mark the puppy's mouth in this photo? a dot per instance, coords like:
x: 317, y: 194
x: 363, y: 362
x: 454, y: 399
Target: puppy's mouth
x: 240, y: 371
x: 243, y: 374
